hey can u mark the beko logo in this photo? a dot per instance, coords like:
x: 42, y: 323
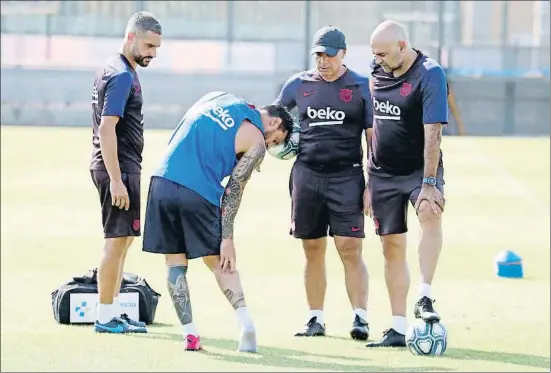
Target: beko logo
x: 389, y: 110
x: 221, y: 116
x: 325, y: 117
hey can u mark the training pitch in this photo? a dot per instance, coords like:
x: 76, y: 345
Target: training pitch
x: 497, y: 193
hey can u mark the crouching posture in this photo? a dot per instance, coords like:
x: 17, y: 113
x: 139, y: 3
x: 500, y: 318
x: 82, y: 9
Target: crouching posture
x: 190, y: 215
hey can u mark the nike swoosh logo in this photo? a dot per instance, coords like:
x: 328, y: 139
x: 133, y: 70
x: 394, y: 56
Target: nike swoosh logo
x: 118, y: 329
x: 306, y: 94
x: 355, y: 229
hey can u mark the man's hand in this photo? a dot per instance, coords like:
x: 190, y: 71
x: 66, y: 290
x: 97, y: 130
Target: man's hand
x: 367, y: 202
x: 119, y: 194
x: 433, y: 196
x: 227, y: 256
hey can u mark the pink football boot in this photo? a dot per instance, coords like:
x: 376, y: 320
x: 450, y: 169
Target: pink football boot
x: 193, y: 343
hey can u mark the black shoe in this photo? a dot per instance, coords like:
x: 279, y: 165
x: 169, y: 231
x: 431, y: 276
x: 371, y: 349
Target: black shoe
x: 313, y: 329
x: 360, y: 329
x: 423, y: 310
x: 131, y: 322
x: 391, y: 338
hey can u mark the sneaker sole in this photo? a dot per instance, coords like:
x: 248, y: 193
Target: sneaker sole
x: 104, y: 331
x: 194, y: 349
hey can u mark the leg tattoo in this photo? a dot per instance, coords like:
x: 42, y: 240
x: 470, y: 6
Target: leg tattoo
x: 237, y: 300
x: 179, y: 292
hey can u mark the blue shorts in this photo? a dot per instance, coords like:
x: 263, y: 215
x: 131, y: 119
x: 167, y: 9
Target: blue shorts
x: 180, y: 221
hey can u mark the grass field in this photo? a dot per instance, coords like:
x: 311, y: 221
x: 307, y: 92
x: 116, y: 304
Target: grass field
x: 498, y: 198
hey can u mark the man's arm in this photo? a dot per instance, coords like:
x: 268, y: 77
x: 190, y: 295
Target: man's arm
x: 435, y: 113
x: 116, y: 95
x: 238, y: 179
x: 287, y: 96
x: 367, y: 91
x: 455, y: 111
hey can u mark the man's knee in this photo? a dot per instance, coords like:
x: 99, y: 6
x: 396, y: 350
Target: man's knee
x: 116, y: 246
x: 349, y: 248
x: 129, y: 241
x: 175, y: 260
x: 426, y: 215
x: 394, y: 247
x: 212, y: 262
x: 314, y: 250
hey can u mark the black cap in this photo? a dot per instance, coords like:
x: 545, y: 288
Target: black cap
x: 328, y: 40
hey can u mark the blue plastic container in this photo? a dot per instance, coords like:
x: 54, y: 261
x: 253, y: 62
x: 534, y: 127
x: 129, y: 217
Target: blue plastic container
x: 509, y: 265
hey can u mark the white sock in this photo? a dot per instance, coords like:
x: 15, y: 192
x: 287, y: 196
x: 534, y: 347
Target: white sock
x: 190, y: 329
x: 244, y: 318
x: 319, y: 315
x: 424, y: 290
x: 400, y: 324
x: 361, y: 312
x: 106, y: 312
x: 117, y: 305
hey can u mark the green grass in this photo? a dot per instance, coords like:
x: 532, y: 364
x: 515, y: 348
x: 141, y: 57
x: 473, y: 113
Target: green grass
x: 498, y: 198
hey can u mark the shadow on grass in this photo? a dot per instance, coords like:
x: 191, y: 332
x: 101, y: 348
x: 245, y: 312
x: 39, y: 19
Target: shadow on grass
x: 499, y: 357
x: 343, y: 338
x: 162, y: 325
x: 286, y: 358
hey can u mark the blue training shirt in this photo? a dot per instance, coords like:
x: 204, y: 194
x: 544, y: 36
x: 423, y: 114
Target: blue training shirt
x: 201, y: 150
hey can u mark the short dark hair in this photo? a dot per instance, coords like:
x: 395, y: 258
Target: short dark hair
x: 287, y: 119
x: 143, y: 22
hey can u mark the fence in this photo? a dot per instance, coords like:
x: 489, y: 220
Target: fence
x: 471, y: 37
x: 495, y: 52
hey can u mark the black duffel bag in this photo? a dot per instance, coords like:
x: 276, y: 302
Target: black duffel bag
x: 88, y: 284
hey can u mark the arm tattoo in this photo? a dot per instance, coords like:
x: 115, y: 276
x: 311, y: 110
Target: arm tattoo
x: 433, y: 138
x: 234, y: 189
x: 179, y: 292
x: 237, y: 300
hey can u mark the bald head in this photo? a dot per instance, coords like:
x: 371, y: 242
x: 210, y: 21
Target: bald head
x: 389, y: 32
x: 390, y: 46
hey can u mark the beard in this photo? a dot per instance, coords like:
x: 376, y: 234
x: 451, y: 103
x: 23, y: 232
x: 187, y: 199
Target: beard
x: 143, y: 61
x: 390, y: 69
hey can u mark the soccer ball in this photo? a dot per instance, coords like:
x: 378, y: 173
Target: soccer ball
x: 289, y: 149
x: 427, y: 338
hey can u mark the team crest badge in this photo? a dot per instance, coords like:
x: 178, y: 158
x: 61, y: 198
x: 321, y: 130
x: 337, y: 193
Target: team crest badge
x: 345, y: 95
x: 405, y: 90
x: 136, y: 225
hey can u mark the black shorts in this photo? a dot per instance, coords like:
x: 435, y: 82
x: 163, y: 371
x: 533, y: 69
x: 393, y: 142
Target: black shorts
x: 390, y: 196
x: 180, y: 221
x: 323, y: 205
x: 117, y: 222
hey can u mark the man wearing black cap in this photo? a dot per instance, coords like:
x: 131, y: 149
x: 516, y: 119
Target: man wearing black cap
x: 327, y: 182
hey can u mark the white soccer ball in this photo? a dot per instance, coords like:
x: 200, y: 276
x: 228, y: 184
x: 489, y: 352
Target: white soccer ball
x: 427, y: 338
x: 289, y: 149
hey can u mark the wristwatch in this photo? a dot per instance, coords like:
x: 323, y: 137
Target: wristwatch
x: 431, y: 180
